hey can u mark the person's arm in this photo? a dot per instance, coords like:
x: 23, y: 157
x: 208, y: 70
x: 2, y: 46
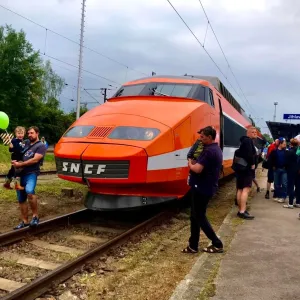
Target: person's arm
x: 37, y: 157
x: 201, y: 163
x: 193, y: 149
x: 39, y: 154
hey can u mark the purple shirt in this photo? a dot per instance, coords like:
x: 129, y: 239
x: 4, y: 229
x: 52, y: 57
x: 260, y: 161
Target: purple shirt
x: 207, y: 181
x: 29, y: 153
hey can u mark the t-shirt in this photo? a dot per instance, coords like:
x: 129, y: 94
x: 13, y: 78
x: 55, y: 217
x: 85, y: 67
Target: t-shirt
x: 18, y: 148
x: 29, y: 153
x: 280, y: 159
x: 207, y: 181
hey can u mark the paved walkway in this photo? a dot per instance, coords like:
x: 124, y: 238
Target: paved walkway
x: 263, y: 261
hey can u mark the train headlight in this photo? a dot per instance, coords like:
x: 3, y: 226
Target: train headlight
x: 79, y: 131
x: 134, y: 133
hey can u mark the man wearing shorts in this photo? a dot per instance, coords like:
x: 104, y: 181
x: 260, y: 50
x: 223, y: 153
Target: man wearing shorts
x: 244, y: 178
x: 30, y: 169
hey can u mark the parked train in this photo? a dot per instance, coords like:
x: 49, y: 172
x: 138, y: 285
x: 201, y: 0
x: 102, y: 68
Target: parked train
x: 132, y: 150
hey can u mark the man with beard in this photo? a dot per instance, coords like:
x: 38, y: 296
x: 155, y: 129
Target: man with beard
x: 34, y: 153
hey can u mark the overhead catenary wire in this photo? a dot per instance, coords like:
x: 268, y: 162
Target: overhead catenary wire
x: 228, y: 64
x: 89, y: 72
x: 211, y: 58
x: 61, y: 35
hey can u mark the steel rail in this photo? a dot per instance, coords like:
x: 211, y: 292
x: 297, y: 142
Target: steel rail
x: 10, y: 237
x: 53, y: 278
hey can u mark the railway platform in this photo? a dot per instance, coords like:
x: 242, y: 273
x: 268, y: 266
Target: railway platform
x: 261, y: 258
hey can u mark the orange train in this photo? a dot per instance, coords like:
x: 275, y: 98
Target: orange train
x: 132, y: 150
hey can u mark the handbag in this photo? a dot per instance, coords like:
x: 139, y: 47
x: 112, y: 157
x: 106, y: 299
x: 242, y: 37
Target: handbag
x: 239, y: 163
x: 265, y: 164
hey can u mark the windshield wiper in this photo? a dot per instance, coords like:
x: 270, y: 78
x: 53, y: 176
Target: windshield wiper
x: 158, y: 93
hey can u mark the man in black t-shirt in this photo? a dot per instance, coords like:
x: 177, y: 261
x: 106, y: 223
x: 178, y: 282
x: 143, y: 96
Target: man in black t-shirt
x: 29, y: 170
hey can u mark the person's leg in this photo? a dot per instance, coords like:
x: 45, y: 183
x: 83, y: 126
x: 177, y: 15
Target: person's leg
x: 205, y: 224
x: 9, y: 178
x: 22, y: 197
x: 298, y: 190
x: 277, y: 175
x: 290, y: 189
x: 270, y: 180
x: 195, y: 224
x: 284, y: 183
x: 32, y: 198
x: 238, y: 196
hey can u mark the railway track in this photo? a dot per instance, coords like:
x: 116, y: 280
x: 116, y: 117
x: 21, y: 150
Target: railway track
x: 51, y: 273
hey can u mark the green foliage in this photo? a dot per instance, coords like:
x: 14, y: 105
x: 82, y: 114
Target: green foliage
x: 29, y: 89
x: 268, y: 138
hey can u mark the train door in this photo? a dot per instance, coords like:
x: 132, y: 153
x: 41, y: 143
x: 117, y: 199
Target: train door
x: 214, y: 115
x: 183, y: 139
x: 221, y: 125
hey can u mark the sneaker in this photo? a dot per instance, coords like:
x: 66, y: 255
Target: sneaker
x: 21, y: 225
x: 245, y: 215
x: 281, y: 200
x: 288, y: 206
x: 267, y: 196
x: 275, y: 199
x: 6, y: 185
x: 297, y: 205
x: 258, y: 190
x: 34, y: 222
x: 18, y: 185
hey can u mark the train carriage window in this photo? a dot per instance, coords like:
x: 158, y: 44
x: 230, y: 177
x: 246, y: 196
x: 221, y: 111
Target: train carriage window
x: 130, y: 90
x: 211, y: 98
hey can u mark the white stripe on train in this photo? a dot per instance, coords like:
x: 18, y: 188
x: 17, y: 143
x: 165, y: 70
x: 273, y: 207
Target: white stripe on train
x: 177, y: 159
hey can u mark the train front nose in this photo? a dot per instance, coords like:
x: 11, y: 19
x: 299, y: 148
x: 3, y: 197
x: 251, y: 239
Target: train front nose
x: 101, y: 164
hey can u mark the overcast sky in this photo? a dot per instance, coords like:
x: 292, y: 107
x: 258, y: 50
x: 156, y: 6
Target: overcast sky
x: 259, y: 37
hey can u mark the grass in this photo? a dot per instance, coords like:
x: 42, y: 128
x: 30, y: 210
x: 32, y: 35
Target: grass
x: 5, y: 159
x: 52, y: 188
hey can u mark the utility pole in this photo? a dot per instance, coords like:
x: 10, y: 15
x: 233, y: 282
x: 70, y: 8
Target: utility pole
x: 274, y: 119
x: 105, y: 95
x: 80, y: 60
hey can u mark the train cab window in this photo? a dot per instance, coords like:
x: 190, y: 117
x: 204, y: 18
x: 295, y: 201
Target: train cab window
x: 211, y: 98
x: 175, y: 90
x: 200, y: 93
x: 130, y: 90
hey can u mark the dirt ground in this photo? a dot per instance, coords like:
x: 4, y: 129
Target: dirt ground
x: 151, y: 266
x: 147, y: 268
x: 51, y: 202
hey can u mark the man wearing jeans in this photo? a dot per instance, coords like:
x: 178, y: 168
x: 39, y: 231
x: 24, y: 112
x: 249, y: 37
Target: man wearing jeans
x: 278, y: 160
x: 30, y: 169
x: 204, y: 178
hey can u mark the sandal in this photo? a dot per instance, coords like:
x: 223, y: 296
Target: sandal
x: 213, y: 249
x: 188, y: 249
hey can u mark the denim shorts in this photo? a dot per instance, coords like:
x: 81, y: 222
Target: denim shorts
x: 29, y: 183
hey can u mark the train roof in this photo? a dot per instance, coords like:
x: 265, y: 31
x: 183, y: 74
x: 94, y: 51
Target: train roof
x: 215, y: 81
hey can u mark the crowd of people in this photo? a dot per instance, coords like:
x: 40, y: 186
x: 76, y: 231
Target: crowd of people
x: 283, y: 164
x: 205, y: 163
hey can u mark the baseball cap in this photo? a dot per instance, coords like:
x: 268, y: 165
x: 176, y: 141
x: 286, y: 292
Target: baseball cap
x: 281, y: 139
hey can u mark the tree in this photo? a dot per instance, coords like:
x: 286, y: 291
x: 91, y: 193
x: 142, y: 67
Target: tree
x: 268, y: 138
x: 52, y: 83
x: 21, y: 84
x: 28, y: 88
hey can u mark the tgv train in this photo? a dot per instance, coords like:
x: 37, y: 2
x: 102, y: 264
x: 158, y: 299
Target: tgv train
x: 132, y: 150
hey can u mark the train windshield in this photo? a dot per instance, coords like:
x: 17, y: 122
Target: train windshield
x: 156, y: 89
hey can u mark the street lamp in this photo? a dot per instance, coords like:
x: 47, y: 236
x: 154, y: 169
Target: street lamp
x: 275, y: 103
